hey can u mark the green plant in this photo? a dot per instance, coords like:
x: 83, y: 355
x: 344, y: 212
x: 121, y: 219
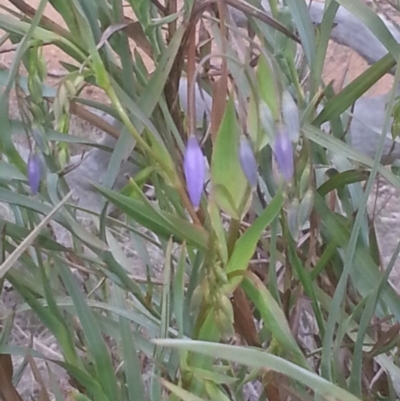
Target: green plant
x: 163, y: 337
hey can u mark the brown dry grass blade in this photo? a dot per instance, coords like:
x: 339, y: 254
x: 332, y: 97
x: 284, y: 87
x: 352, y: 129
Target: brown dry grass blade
x: 43, y: 394
x: 44, y: 21
x: 172, y: 9
x: 132, y: 28
x: 270, y: 387
x: 220, y: 87
x: 135, y: 32
x: 7, y: 390
x: 191, y: 73
x: 205, y: 45
x: 385, y: 339
x: 93, y: 119
x: 172, y: 84
x: 244, y: 323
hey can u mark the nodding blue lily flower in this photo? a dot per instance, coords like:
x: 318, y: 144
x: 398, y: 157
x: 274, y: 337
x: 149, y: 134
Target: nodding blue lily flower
x: 34, y: 171
x: 283, y: 151
x: 248, y: 162
x: 193, y: 165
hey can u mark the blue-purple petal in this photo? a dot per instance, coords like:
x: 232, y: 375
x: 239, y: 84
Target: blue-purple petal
x: 283, y: 150
x: 248, y: 162
x: 193, y: 165
x: 34, y: 173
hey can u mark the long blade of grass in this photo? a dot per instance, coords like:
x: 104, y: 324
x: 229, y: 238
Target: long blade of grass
x: 133, y: 371
x: 273, y: 317
x: 353, y: 91
x: 366, y: 318
x: 13, y: 258
x: 301, y: 17
x: 351, y: 248
x: 93, y: 336
x: 261, y: 360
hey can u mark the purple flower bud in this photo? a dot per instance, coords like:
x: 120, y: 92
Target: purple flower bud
x: 248, y: 162
x: 283, y: 150
x: 193, y: 165
x: 34, y: 172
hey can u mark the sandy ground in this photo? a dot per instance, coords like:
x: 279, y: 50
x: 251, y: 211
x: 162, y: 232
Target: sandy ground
x: 340, y: 61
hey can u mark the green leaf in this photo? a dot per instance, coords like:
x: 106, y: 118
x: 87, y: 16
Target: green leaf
x: 183, y: 394
x: 301, y: 17
x: 366, y: 274
x: 229, y: 182
x: 338, y: 146
x: 273, y: 317
x: 133, y: 371
x: 9, y: 172
x: 268, y: 86
x: 179, y: 291
x: 341, y: 180
x: 246, y: 244
x: 16, y: 232
x: 26, y: 243
x: 259, y: 359
x: 353, y: 91
x: 219, y: 230
x: 93, y: 336
x: 160, y: 222
x: 86, y: 380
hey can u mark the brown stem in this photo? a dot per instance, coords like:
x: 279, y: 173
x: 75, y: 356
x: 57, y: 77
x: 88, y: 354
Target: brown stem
x: 44, y: 21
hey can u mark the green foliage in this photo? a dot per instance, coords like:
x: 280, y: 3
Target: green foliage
x: 290, y: 271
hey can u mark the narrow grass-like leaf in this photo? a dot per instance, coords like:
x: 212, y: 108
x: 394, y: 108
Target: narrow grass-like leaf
x: 12, y: 259
x: 323, y: 38
x: 183, y: 394
x: 301, y: 17
x: 133, y: 371
x: 51, y: 322
x: 273, y: 317
x: 6, y: 143
x: 95, y: 342
x: 91, y: 386
x: 307, y: 283
x: 179, y: 290
x: 366, y: 318
x: 353, y: 91
x: 261, y: 360
x: 9, y: 172
x: 338, y: 146
x: 340, y: 180
x: 352, y: 245
x: 218, y: 228
x: 246, y: 244
x: 65, y: 11
x: 162, y: 223
x: 17, y: 232
x: 268, y: 86
x: 366, y: 274
x: 69, y: 221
